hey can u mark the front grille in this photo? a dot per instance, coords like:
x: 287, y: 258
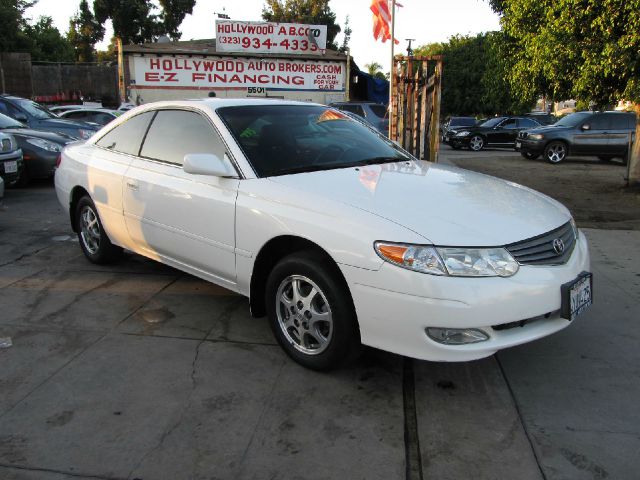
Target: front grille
x: 6, y: 145
x: 522, y: 323
x: 540, y: 250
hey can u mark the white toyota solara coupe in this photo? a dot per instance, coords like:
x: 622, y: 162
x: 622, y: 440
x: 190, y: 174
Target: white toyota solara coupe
x: 335, y: 233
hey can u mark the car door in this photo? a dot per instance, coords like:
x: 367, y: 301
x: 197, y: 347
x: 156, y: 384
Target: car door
x: 503, y: 133
x: 180, y: 217
x: 621, y: 126
x: 592, y: 137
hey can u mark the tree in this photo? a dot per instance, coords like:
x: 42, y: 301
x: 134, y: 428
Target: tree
x: 135, y: 21
x: 473, y: 75
x: 313, y: 12
x: 582, y: 49
x: 347, y: 36
x: 84, y: 32
x: 48, y: 44
x: 375, y: 70
x: 110, y: 54
x: 13, y: 22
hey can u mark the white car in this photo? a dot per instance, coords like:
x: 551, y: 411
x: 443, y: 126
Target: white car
x: 335, y: 233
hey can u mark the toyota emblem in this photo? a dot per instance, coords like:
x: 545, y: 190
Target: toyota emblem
x: 558, y: 246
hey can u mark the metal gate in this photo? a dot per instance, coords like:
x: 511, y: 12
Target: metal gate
x: 415, y: 116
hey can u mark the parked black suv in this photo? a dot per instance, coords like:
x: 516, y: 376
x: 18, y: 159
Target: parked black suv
x: 495, y: 132
x: 39, y: 118
x: 603, y: 134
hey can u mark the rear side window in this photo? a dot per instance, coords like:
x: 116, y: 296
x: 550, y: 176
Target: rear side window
x: 175, y: 133
x: 599, y: 122
x: 127, y: 137
x: 622, y: 121
x: 510, y: 124
x: 527, y: 123
x: 357, y: 109
x: 379, y: 111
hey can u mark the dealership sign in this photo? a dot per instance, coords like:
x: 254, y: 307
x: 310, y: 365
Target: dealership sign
x: 267, y: 37
x: 236, y: 72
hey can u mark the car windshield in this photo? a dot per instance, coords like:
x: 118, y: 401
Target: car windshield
x: 285, y: 139
x: 462, y: 122
x: 573, y: 119
x: 492, y: 122
x: 35, y: 110
x: 8, y: 122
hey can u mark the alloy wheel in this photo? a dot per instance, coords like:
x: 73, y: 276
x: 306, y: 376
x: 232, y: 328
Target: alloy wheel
x: 89, y: 230
x: 476, y: 143
x: 304, y: 314
x: 556, y: 152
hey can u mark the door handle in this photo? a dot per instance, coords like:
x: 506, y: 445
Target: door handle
x: 132, y: 185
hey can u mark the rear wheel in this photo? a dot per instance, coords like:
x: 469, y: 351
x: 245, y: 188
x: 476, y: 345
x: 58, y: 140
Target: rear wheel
x: 555, y: 152
x: 476, y: 143
x: 94, y: 241
x: 310, y: 311
x: 530, y: 155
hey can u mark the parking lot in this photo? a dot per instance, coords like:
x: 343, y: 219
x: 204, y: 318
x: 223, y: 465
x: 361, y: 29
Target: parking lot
x: 139, y: 371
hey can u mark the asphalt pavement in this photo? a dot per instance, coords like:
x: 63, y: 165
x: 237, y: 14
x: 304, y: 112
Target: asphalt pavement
x: 138, y: 371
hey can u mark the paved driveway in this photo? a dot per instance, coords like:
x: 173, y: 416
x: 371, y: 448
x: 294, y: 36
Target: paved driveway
x: 139, y: 371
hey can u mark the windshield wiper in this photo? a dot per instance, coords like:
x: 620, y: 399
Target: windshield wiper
x: 379, y: 160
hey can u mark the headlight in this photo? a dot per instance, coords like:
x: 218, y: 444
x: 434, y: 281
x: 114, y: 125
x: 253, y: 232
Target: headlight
x: 84, y: 134
x: 412, y: 257
x: 454, y: 261
x: 536, y: 136
x: 462, y: 134
x: 478, y: 262
x: 44, y: 144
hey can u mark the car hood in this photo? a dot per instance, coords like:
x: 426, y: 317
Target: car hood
x: 59, y: 138
x: 547, y: 129
x: 446, y: 205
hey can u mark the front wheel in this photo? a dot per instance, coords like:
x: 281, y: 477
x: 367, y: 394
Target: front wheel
x: 476, y: 143
x: 555, y: 152
x: 94, y: 241
x: 311, y: 312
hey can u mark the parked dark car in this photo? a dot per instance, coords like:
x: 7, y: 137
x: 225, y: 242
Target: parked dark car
x: 374, y: 113
x: 542, y: 118
x: 99, y: 116
x: 602, y: 134
x: 451, y: 126
x: 40, y: 149
x: 39, y: 118
x: 10, y: 159
x: 495, y: 132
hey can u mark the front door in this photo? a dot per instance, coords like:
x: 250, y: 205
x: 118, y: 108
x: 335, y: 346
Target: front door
x: 593, y: 136
x: 184, y: 218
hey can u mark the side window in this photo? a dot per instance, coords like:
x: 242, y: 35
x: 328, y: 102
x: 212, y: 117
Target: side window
x: 619, y: 121
x: 75, y: 115
x: 509, y: 124
x: 527, y: 123
x: 127, y: 137
x: 8, y: 109
x: 175, y: 133
x: 379, y: 111
x: 357, y: 109
x: 599, y: 122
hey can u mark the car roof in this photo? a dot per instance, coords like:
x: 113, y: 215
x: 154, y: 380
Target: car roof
x: 216, y: 103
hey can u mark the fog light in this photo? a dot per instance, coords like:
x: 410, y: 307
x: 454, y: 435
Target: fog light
x: 456, y: 336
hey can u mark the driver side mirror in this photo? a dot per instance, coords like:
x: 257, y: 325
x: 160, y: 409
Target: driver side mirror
x: 586, y: 126
x: 208, y: 164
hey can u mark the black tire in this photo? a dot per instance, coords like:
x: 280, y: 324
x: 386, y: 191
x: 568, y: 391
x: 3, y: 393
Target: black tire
x: 529, y: 155
x: 94, y: 241
x: 605, y: 158
x: 476, y: 142
x: 555, y: 152
x: 322, y: 345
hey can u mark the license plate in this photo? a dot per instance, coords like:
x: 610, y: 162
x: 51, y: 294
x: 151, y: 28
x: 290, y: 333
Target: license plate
x: 10, y: 167
x: 577, y: 296
x: 518, y: 144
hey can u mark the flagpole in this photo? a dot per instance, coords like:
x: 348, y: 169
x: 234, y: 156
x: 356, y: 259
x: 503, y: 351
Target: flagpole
x: 393, y: 26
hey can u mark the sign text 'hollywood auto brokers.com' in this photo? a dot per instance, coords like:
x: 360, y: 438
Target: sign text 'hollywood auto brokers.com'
x: 170, y: 71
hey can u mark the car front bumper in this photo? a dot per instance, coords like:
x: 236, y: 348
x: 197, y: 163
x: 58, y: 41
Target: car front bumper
x: 15, y: 156
x: 40, y: 163
x: 529, y: 146
x: 395, y: 306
